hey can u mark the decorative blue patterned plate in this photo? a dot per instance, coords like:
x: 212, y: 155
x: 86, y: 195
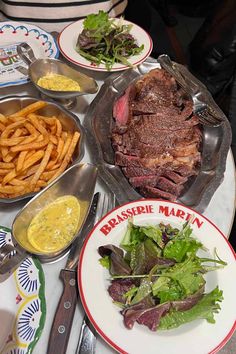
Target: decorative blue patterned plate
x: 13, y: 33
x: 22, y: 305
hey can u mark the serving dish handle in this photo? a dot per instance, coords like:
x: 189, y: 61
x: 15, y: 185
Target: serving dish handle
x: 10, y: 258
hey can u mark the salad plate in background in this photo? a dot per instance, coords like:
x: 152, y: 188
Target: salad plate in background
x: 13, y: 33
x: 22, y: 304
x: 68, y: 38
x: 102, y: 312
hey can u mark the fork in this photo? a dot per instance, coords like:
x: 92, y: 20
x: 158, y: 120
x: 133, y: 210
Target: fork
x: 87, y: 338
x: 206, y: 114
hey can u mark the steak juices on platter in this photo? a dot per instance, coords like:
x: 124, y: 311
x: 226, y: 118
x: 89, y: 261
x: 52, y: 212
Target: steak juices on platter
x: 156, y: 137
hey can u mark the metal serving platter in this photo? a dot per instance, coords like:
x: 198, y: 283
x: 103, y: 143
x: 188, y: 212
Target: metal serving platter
x: 98, y: 124
x: 69, y: 121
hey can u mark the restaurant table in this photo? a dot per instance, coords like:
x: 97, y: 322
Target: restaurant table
x: 220, y: 211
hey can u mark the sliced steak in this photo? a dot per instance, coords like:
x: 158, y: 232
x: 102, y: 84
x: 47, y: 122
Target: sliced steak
x: 143, y: 181
x: 136, y: 171
x: 150, y: 192
x: 175, y: 177
x: 156, y: 137
x: 166, y: 185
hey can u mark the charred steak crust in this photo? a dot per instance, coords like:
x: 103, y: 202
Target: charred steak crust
x: 156, y: 137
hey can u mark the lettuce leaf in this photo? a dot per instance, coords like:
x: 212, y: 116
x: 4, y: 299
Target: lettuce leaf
x: 132, y: 237
x: 96, y: 21
x: 204, y: 309
x: 153, y: 233
x: 177, y: 249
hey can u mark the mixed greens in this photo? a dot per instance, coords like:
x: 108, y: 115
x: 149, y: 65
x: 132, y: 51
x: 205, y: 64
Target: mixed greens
x: 159, y: 280
x: 106, y: 41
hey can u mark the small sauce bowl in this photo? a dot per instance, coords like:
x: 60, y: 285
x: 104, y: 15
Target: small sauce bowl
x: 38, y: 68
x: 79, y: 180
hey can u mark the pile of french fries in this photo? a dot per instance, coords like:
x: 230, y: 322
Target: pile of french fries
x: 34, y: 150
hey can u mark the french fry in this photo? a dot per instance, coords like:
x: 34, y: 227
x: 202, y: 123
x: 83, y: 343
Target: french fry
x: 2, y: 127
x: 33, y: 159
x: 59, y: 128
x: 3, y: 171
x: 34, y: 149
x: 59, y: 148
x: 33, y: 107
x: 3, y: 119
x: 11, y: 141
x: 17, y: 133
x: 20, y: 160
x: 17, y: 182
x: 48, y: 120
x: 65, y: 147
x: 16, y: 119
x: 31, y: 129
x: 46, y: 175
x: 9, y: 157
x: 37, y: 124
x: 12, y: 174
x: 4, y: 151
x: 11, y: 189
x: 29, y: 139
x: 7, y: 165
x: 53, y: 139
x: 43, y: 164
x: 30, y: 146
x: 68, y: 156
x: 11, y: 127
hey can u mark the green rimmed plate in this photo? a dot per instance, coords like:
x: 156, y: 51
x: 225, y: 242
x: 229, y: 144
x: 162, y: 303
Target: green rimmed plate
x: 22, y: 304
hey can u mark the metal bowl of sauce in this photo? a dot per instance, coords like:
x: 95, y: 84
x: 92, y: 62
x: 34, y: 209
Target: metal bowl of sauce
x: 48, y: 224
x: 55, y: 79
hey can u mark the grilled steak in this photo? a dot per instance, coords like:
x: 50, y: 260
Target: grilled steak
x: 156, y: 137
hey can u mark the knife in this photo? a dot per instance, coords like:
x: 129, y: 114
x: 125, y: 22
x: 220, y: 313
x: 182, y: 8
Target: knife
x: 61, y: 326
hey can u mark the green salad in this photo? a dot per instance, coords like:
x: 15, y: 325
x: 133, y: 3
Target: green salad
x: 157, y: 278
x: 107, y: 41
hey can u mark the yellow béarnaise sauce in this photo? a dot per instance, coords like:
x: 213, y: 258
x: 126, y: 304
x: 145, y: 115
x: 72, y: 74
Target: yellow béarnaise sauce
x: 55, y: 225
x: 58, y: 82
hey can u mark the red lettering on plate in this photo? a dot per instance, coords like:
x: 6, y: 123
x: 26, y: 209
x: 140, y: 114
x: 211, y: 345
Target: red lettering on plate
x: 112, y: 222
x: 105, y: 229
x: 141, y: 210
x: 198, y: 222
x: 125, y: 216
x: 129, y: 212
x: 164, y: 210
x: 180, y: 213
x: 119, y: 218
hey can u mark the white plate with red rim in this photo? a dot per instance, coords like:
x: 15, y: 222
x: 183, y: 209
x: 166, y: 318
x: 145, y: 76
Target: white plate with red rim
x: 67, y: 40
x: 104, y: 315
x: 13, y: 33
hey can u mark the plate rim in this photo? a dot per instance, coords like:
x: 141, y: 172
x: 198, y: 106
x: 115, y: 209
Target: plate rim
x: 229, y: 333
x: 40, y: 294
x: 103, y: 69
x: 15, y: 25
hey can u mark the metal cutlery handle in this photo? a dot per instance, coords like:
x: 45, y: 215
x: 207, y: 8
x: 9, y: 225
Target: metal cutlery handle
x: 63, y: 319
x: 87, y: 343
x: 26, y: 53
x: 10, y: 258
x: 173, y: 69
x: 87, y: 339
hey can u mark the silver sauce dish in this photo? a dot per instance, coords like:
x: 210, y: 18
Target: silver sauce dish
x: 38, y: 68
x: 79, y: 180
